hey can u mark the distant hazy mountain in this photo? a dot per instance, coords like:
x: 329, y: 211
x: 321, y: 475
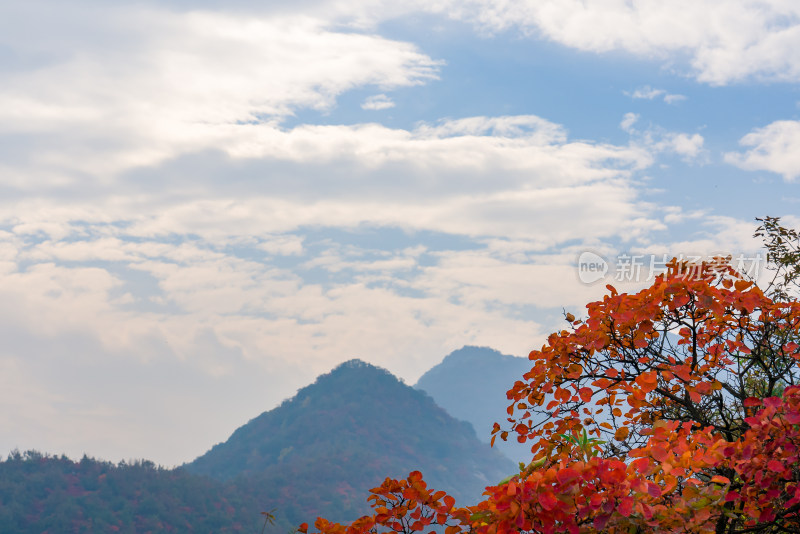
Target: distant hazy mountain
x: 471, y: 384
x: 319, y: 452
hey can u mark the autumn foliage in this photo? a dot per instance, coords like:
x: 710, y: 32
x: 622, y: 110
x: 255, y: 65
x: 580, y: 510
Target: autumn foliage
x: 675, y: 409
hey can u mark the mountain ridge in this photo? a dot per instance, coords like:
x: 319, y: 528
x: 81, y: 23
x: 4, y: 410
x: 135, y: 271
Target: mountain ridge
x: 353, y: 427
x: 470, y: 384
x: 317, y: 454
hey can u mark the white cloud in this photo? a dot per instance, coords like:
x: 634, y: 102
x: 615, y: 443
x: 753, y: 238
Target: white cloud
x: 182, y: 82
x: 673, y: 99
x: 775, y: 148
x: 646, y: 93
x: 433, y: 177
x: 285, y: 245
x: 201, y: 60
x: 649, y: 93
x: 716, y: 234
x: 628, y: 120
x: 688, y: 146
x: 377, y: 102
x: 726, y: 42
x: 658, y: 140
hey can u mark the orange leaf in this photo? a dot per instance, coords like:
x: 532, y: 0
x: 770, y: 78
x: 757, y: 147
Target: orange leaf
x: 647, y: 381
x: 741, y: 285
x: 512, y: 488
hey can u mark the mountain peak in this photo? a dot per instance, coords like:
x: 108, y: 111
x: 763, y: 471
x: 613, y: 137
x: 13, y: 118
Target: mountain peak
x: 355, y: 363
x: 360, y: 367
x: 344, y: 434
x: 354, y: 378
x: 473, y: 353
x: 470, y: 383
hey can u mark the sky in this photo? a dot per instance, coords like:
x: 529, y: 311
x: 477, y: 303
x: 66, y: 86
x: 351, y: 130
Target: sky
x: 204, y: 205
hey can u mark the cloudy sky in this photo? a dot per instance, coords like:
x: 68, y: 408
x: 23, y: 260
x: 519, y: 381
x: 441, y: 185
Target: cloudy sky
x: 204, y: 205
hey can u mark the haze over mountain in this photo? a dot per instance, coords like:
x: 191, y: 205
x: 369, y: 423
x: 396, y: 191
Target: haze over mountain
x: 319, y: 452
x: 470, y: 383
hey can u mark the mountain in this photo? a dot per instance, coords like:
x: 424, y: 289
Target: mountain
x: 470, y: 383
x: 319, y: 452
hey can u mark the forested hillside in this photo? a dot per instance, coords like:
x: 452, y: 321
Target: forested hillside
x: 47, y: 494
x: 318, y: 452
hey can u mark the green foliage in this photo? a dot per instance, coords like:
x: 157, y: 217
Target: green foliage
x: 49, y: 494
x: 783, y: 255
x: 589, y: 446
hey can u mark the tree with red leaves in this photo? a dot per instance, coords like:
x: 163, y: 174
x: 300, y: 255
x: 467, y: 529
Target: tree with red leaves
x: 674, y: 409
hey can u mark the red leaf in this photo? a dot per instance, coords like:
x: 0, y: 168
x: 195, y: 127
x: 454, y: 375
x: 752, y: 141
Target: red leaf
x: 548, y: 500
x: 659, y: 453
x: 566, y: 475
x: 625, y: 506
x: 600, y: 521
x: 586, y: 394
x: 767, y: 514
x: 775, y: 465
x: 642, y: 465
